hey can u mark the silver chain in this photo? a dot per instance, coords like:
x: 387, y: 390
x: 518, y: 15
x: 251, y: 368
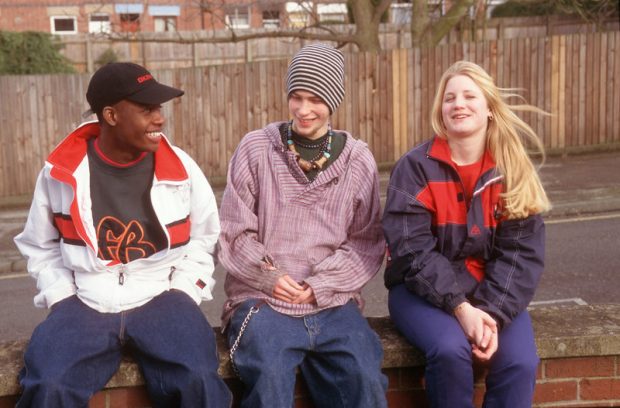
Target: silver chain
x: 235, y: 346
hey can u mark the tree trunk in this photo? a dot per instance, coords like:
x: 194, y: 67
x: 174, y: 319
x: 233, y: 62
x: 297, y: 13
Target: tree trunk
x: 367, y: 20
x: 420, y: 22
x: 450, y: 19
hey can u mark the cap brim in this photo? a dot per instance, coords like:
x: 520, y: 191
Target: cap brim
x: 155, y: 94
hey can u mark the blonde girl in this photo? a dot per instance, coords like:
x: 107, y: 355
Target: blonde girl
x: 466, y: 241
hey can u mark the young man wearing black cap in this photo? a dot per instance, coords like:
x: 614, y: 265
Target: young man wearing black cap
x: 300, y: 238
x: 120, y: 238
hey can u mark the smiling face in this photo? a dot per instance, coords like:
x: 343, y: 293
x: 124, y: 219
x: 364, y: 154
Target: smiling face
x: 310, y: 114
x: 464, y: 109
x: 130, y: 130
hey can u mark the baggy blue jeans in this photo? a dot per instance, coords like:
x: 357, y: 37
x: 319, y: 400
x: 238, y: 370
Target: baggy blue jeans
x: 449, y: 373
x: 75, y: 351
x: 339, y: 356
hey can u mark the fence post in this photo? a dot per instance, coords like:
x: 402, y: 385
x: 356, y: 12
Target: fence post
x: 89, y: 55
x: 248, y: 51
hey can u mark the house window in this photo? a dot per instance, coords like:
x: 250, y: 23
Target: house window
x: 63, y: 24
x: 130, y: 22
x: 400, y: 13
x: 165, y: 23
x: 129, y: 14
x: 99, y: 23
x: 271, y: 19
x: 299, y: 13
x: 165, y: 17
x: 238, y: 17
x: 332, y: 13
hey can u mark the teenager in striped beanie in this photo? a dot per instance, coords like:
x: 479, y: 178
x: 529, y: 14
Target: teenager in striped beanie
x: 318, y: 68
x: 301, y: 236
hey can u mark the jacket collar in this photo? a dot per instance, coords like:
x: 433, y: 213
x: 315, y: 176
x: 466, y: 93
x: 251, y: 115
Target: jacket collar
x: 439, y: 149
x: 70, y: 152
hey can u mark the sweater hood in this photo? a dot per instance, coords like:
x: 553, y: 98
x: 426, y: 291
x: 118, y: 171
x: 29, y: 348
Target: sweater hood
x: 352, y: 149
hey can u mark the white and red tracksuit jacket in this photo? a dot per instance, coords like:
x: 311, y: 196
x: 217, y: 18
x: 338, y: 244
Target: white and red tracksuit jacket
x: 59, y: 238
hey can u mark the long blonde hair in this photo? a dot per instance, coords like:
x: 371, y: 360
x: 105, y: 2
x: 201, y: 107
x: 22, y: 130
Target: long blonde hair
x: 507, y: 134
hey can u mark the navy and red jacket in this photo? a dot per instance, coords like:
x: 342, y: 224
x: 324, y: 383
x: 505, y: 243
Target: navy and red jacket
x: 447, y: 250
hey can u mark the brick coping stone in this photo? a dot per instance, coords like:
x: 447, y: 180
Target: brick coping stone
x: 561, y: 332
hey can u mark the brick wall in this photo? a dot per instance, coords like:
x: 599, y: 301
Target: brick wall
x: 583, y: 382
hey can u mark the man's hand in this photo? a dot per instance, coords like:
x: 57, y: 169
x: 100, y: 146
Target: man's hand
x: 287, y: 290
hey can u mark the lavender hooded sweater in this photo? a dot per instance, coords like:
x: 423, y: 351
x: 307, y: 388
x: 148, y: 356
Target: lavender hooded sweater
x: 326, y: 233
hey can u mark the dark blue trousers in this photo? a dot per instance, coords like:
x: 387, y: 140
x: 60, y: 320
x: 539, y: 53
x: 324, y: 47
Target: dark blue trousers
x: 449, y: 374
x: 337, y: 352
x: 76, y: 350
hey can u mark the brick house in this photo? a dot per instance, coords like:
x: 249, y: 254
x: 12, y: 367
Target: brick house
x: 103, y: 16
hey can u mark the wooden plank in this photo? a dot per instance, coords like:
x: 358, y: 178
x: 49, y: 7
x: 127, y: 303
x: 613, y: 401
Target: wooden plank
x: 555, y: 75
x: 404, y: 91
x: 596, y: 95
x: 397, y: 89
x: 602, y: 84
x: 562, y: 93
x: 582, y: 88
x: 616, y: 94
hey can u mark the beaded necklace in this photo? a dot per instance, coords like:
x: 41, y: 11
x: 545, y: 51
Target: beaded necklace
x: 320, y: 159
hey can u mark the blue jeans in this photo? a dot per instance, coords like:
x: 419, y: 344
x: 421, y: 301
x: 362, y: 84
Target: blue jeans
x: 75, y: 351
x: 449, y: 373
x: 339, y: 356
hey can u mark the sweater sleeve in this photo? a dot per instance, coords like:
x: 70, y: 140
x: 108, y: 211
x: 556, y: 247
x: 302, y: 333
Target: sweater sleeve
x: 359, y: 258
x: 514, y: 270
x: 414, y: 257
x: 240, y: 250
x: 40, y: 244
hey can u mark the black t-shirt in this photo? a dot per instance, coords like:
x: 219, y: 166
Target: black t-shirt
x: 126, y: 225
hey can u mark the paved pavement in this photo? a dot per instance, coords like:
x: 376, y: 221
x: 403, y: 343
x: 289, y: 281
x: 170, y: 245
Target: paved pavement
x: 576, y: 184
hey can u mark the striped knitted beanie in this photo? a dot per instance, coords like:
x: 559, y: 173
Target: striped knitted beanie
x: 318, y: 68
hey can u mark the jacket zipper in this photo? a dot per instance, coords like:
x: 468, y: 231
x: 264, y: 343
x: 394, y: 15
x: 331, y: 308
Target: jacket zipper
x: 121, y: 276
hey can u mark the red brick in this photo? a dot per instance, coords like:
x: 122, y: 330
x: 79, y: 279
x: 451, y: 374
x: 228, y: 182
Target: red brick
x: 304, y: 402
x: 601, y: 389
x: 409, y: 398
x: 98, y: 400
x: 479, y: 391
x: 580, y: 367
x: 412, y: 378
x: 301, y: 389
x: 480, y: 373
x: 134, y: 397
x: 556, y: 391
x: 539, y: 371
x: 8, y: 402
x: 393, y: 375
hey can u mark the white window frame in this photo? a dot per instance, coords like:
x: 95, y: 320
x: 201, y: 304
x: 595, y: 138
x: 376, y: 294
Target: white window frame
x: 53, y: 25
x: 271, y: 23
x: 168, y: 21
x: 99, y: 27
x: 233, y: 17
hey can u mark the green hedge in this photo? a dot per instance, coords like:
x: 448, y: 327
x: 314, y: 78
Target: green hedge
x: 30, y: 52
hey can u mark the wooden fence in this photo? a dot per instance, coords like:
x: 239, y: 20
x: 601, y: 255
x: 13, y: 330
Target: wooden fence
x: 84, y: 50
x: 387, y: 103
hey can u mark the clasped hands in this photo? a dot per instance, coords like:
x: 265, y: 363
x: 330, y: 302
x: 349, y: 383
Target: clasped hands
x: 480, y: 329
x: 288, y: 290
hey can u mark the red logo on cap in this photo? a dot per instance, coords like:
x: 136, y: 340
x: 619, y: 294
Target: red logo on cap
x: 144, y: 78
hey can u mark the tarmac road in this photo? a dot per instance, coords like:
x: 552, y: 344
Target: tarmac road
x: 583, y: 247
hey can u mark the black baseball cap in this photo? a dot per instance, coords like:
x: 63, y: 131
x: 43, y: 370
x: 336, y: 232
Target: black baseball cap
x: 117, y: 81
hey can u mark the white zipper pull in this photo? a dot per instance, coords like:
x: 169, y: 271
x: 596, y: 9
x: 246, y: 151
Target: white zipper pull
x: 121, y: 276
